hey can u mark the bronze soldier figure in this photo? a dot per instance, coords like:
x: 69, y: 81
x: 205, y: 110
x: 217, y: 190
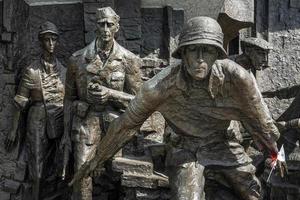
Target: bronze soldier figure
x: 42, y: 90
x: 101, y: 80
x: 198, y: 98
x: 255, y: 54
x: 254, y: 59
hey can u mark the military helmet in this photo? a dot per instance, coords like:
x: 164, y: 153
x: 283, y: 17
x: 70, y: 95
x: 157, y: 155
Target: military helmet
x: 201, y: 30
x: 48, y: 27
x: 257, y: 42
x: 107, y: 14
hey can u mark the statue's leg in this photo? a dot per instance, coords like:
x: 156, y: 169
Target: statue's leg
x: 187, y: 181
x: 37, y: 148
x: 82, y: 190
x: 244, y: 182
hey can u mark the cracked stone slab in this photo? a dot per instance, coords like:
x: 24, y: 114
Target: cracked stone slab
x: 139, y: 180
x: 134, y: 165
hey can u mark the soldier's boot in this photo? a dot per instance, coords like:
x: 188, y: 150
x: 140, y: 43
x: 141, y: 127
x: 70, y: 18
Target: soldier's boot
x: 187, y: 181
x: 244, y: 182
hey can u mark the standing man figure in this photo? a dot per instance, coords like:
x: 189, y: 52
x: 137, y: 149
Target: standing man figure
x: 41, y: 89
x: 198, y: 99
x: 101, y: 80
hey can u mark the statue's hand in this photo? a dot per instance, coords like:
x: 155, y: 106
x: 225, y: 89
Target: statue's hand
x: 281, y: 165
x: 98, y: 93
x: 281, y: 125
x: 10, y: 139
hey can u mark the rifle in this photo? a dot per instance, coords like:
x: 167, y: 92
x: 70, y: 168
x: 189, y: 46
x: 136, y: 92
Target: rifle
x: 113, y: 141
x: 65, y: 162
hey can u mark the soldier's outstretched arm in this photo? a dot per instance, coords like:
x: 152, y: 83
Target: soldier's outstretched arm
x: 284, y: 93
x: 255, y: 114
x: 284, y: 125
x: 122, y: 129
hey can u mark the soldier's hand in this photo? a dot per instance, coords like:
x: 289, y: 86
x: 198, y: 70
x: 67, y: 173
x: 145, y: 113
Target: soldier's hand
x: 281, y: 125
x: 10, y: 140
x: 282, y: 166
x: 98, y: 93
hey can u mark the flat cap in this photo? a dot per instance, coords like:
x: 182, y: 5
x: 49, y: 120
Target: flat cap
x: 258, y: 42
x: 48, y: 27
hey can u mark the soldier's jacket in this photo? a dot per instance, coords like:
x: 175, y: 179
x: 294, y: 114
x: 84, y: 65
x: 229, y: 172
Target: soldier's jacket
x: 121, y: 72
x: 43, y: 88
x: 200, y: 114
x: 37, y: 85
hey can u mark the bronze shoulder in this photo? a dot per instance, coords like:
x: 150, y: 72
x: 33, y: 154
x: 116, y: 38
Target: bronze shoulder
x: 234, y: 71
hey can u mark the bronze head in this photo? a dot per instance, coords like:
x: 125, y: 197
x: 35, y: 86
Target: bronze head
x: 257, y: 50
x: 107, y: 24
x: 48, y: 36
x: 200, y: 45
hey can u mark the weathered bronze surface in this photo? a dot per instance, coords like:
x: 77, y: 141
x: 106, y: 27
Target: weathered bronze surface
x: 255, y: 54
x: 198, y: 98
x: 101, y: 80
x: 41, y: 91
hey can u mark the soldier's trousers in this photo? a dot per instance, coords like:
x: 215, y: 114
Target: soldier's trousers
x: 38, y: 148
x: 82, y: 190
x: 187, y: 181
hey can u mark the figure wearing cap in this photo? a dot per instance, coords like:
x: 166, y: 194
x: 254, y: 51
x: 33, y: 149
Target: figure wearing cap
x: 255, y: 54
x: 254, y: 59
x: 198, y: 98
x: 41, y: 91
x: 101, y: 80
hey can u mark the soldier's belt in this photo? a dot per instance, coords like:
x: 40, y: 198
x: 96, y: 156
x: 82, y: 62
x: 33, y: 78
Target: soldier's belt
x: 194, y: 143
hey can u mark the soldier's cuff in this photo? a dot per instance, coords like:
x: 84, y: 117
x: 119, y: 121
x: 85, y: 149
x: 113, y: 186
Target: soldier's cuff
x: 20, y: 101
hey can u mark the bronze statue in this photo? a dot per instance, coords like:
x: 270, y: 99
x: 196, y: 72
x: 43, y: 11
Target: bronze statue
x: 254, y: 58
x: 255, y: 54
x: 42, y: 90
x: 101, y: 80
x: 198, y: 99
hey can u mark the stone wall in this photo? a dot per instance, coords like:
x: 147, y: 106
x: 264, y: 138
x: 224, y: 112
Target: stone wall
x: 284, y: 33
x: 192, y: 8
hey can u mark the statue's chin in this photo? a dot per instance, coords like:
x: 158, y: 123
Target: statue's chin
x: 199, y: 77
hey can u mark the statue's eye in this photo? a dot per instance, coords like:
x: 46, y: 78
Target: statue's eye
x: 110, y: 24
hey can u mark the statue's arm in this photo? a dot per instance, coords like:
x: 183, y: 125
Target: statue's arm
x: 133, y: 81
x: 20, y: 102
x: 255, y: 115
x: 285, y: 93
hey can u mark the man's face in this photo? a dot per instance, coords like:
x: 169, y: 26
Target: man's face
x: 258, y: 57
x: 49, y: 42
x: 199, y: 59
x: 107, y: 29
